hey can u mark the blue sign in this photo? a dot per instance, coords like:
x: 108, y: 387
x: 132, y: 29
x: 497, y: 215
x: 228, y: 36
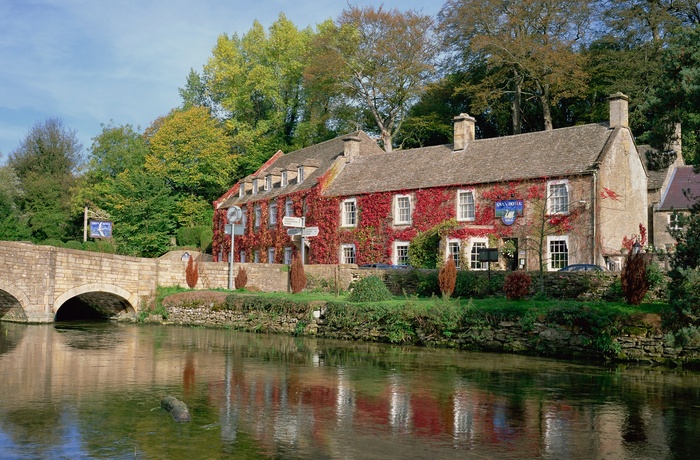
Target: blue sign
x: 508, y: 210
x: 100, y: 229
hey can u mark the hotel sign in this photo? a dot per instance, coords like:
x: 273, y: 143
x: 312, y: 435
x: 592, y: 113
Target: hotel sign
x: 508, y: 210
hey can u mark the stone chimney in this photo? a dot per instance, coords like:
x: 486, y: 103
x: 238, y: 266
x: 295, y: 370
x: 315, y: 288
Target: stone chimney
x: 618, y: 110
x: 351, y: 148
x: 464, y: 131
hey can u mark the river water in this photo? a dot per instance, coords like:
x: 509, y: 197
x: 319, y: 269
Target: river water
x: 93, y: 390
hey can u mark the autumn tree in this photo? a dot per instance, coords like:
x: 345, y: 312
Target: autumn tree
x: 46, y: 164
x: 528, y: 49
x: 374, y: 60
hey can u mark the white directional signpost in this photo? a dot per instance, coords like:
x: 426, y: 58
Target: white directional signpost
x: 233, y: 214
x: 298, y: 227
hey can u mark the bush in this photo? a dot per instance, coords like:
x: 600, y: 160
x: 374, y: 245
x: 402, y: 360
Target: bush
x: 297, y: 275
x: 90, y: 246
x: 241, y: 278
x: 72, y: 244
x: 369, y: 289
x: 190, y: 236
x: 447, y: 278
x: 684, y: 295
x: 192, y: 273
x: 205, y: 239
x: 517, y: 285
x: 52, y: 242
x: 634, y: 281
x: 106, y: 246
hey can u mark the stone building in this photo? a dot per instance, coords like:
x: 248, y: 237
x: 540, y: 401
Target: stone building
x: 568, y: 195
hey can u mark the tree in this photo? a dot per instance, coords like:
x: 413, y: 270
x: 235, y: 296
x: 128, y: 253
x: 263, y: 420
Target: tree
x: 46, y: 163
x: 527, y: 47
x: 447, y: 277
x: 375, y: 60
x: 12, y: 224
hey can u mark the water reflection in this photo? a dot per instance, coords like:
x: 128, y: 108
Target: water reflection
x: 95, y: 392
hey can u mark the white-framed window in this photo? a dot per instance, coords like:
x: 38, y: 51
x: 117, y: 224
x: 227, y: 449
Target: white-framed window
x: 241, y: 189
x: 300, y: 174
x: 270, y: 255
x: 255, y: 186
x: 268, y: 182
x: 400, y: 253
x: 244, y: 219
x: 347, y: 254
x: 557, y: 252
x: 242, y: 256
x: 674, y: 221
x: 475, y: 244
x: 272, y: 213
x: 288, y: 208
x: 284, y: 180
x: 466, y: 210
x: 558, y: 197
x: 348, y: 209
x: 402, y: 209
x: 454, y: 250
x: 288, y: 256
x: 256, y: 256
x: 258, y: 216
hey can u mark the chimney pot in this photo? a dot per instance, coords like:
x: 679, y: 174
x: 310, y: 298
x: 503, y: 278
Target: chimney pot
x: 351, y: 148
x: 619, y: 110
x: 464, y: 131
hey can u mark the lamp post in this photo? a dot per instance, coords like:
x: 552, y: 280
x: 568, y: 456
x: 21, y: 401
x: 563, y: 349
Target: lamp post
x: 636, y: 247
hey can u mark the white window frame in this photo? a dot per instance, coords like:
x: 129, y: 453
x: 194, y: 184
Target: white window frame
x: 288, y: 208
x: 287, y: 256
x: 475, y: 244
x: 244, y: 217
x: 673, y: 224
x: 345, y: 251
x: 554, y: 208
x: 284, y: 181
x: 272, y: 214
x: 348, y: 218
x: 268, y: 182
x: 398, y: 218
x: 270, y: 255
x: 395, y: 252
x: 553, y: 265
x: 256, y: 257
x: 242, y: 257
x: 241, y: 190
x: 258, y: 216
x: 451, y: 243
x: 300, y: 174
x: 466, y: 211
x: 255, y: 186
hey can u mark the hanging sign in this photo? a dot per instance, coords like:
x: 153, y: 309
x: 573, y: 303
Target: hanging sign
x: 508, y: 210
x: 100, y: 229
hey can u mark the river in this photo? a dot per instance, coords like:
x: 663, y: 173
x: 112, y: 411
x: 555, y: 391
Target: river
x: 93, y: 390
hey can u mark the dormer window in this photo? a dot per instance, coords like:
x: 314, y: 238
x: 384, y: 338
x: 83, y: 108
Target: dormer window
x: 241, y: 190
x: 268, y: 182
x: 284, y: 180
x: 255, y: 186
x: 300, y: 174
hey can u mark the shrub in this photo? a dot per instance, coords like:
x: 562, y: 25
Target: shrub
x: 90, y: 246
x: 447, y: 278
x: 369, y: 289
x: 52, y: 242
x: 297, y: 275
x: 190, y: 236
x: 205, y: 239
x: 192, y: 273
x: 634, y: 281
x: 517, y: 285
x: 106, y: 246
x: 241, y: 278
x: 684, y: 295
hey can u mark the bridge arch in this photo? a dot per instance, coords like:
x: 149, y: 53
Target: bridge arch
x: 13, y: 302
x: 100, y: 292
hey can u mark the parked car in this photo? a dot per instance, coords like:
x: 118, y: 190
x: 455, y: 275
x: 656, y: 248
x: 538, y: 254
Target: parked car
x: 384, y: 266
x: 582, y: 268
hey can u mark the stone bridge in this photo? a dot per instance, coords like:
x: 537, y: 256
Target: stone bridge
x: 38, y: 281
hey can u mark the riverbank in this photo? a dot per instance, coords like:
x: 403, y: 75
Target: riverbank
x: 589, y: 331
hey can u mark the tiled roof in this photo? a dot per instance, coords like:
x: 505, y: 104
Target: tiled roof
x: 683, y: 190
x: 554, y: 153
x: 320, y: 155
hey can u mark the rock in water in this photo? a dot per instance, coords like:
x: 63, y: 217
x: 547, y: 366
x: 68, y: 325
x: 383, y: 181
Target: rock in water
x: 177, y: 408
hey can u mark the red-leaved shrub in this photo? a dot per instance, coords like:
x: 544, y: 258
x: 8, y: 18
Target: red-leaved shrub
x: 517, y: 285
x: 241, y: 278
x: 447, y: 277
x: 634, y: 280
x: 192, y: 273
x: 297, y: 275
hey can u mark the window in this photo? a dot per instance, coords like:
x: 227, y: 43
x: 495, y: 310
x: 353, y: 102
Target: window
x: 349, y: 213
x: 255, y: 186
x: 474, y: 263
x: 258, y: 216
x: 674, y: 221
x: 270, y: 255
x: 558, y: 197
x: 288, y: 256
x: 272, y: 213
x: 400, y: 253
x: 558, y: 247
x: 347, y: 254
x: 402, y: 213
x: 300, y: 174
x: 244, y: 219
x: 256, y: 256
x: 289, y: 208
x: 465, y: 205
x: 241, y: 189
x: 284, y: 180
x: 268, y: 182
x: 454, y: 251
x: 242, y: 257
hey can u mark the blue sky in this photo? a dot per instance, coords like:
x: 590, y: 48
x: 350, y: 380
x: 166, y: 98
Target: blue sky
x: 90, y: 62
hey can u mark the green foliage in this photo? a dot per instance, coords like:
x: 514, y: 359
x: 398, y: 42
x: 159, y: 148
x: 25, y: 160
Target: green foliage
x: 72, y: 244
x: 190, y: 236
x: 368, y: 289
x: 424, y: 251
x: 517, y: 285
x: 205, y: 239
x: 52, y: 242
x: 278, y: 305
